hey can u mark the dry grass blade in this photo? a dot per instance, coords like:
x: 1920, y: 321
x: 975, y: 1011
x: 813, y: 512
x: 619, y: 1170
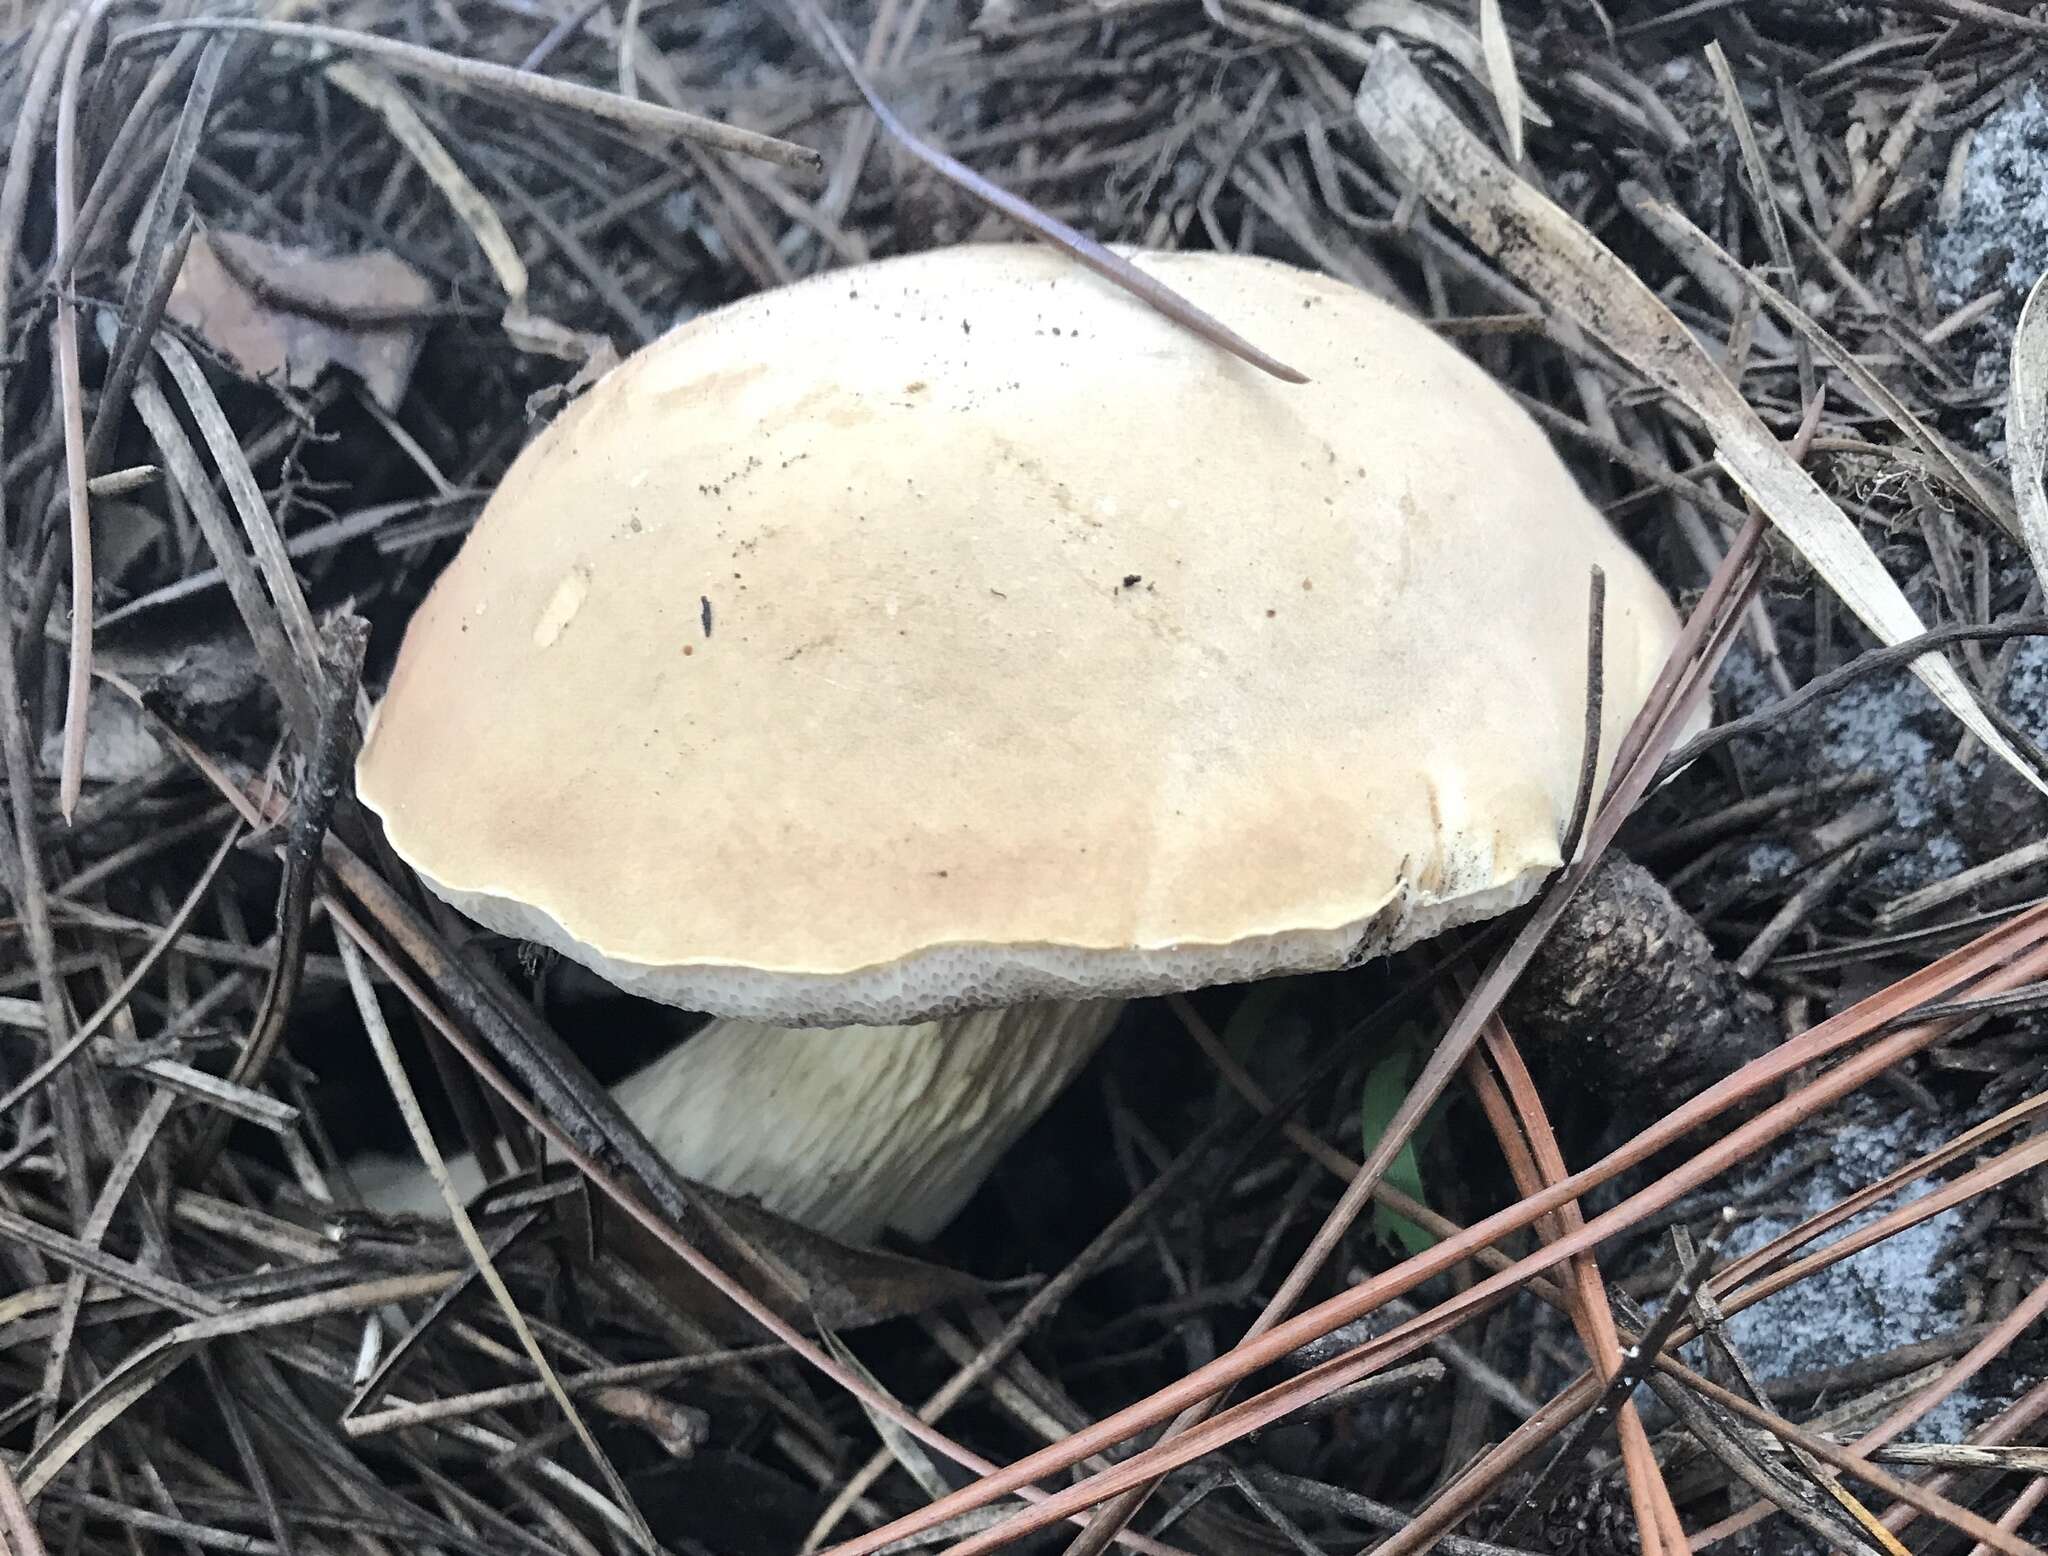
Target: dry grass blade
x: 413, y: 59
x: 265, y: 543
x: 160, y: 254
x: 117, y: 164
x: 1552, y: 254
x: 1925, y: 899
x: 1762, y: 197
x: 430, y: 1153
x: 121, y: 1388
x: 399, y: 1417
x: 899, y: 1444
x: 1440, y: 30
x: 1822, y: 687
x: 2026, y: 425
x: 1946, y: 1455
x: 1499, y: 51
x: 259, y: 615
x: 71, y: 398
x: 478, y: 216
x: 120, y: 1274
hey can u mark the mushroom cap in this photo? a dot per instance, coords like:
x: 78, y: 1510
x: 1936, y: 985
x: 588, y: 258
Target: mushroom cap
x: 957, y: 630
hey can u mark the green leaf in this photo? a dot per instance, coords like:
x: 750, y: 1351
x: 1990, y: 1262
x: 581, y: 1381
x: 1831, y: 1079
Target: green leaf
x: 1247, y: 1025
x: 1386, y: 1087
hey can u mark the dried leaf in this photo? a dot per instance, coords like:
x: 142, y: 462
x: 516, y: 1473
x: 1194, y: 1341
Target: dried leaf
x: 1551, y: 254
x: 122, y: 534
x: 1500, y: 72
x: 382, y: 96
x: 288, y: 315
x: 119, y: 743
x: 842, y: 1287
x: 527, y: 330
x: 2026, y: 425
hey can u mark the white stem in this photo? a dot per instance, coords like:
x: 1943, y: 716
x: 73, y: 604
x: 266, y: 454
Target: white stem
x: 846, y: 1130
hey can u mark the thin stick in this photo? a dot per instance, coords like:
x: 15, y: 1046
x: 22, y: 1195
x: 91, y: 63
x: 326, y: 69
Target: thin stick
x: 1637, y: 1361
x: 1822, y: 687
x: 63, y: 1053
x: 1536, y: 1160
x: 322, y: 775
x: 1596, y: 688
x: 16, y: 1522
x: 1075, y: 244
x: 412, y: 59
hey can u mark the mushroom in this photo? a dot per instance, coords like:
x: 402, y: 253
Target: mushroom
x: 953, y: 646
x: 843, y: 1132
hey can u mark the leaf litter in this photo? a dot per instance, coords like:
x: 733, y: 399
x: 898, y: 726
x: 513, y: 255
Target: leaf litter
x: 492, y: 201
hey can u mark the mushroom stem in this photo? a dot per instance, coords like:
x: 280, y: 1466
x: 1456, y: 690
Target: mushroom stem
x: 845, y: 1130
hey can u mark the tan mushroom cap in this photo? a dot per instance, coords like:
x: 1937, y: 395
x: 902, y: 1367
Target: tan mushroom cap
x: 956, y: 630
